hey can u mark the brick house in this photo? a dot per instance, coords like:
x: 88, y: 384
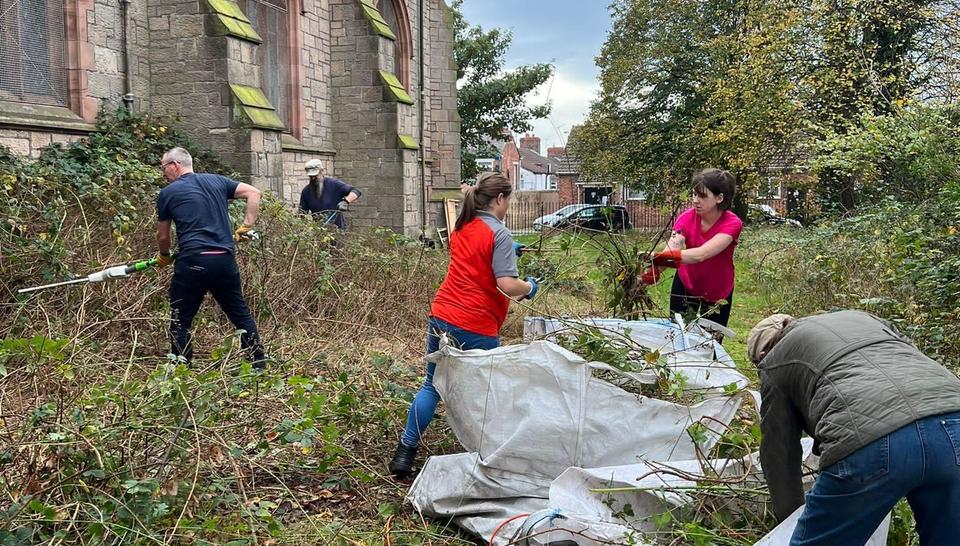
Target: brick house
x: 574, y: 188
x: 526, y: 168
x: 264, y: 84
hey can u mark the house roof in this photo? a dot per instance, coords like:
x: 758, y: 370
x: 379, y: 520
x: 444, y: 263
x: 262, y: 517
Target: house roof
x: 569, y: 164
x: 538, y: 164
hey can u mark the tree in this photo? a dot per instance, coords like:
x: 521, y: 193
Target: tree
x: 686, y: 85
x: 489, y: 99
x: 865, y: 64
x: 739, y: 83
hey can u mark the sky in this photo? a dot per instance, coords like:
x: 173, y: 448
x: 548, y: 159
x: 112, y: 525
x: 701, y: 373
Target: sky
x: 565, y: 33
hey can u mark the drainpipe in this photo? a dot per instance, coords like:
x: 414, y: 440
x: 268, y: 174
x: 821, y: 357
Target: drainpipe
x: 125, y: 26
x: 423, y: 97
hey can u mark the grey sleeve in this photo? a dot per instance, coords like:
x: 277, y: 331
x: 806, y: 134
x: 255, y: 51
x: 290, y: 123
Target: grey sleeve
x: 504, y: 258
x: 780, y: 450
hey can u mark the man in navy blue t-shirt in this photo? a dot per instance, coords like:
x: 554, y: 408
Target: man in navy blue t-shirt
x: 197, y: 204
x: 325, y: 195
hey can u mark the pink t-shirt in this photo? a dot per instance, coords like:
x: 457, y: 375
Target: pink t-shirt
x: 711, y: 279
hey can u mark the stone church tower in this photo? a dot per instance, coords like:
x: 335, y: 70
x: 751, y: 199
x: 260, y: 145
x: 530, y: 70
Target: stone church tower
x: 368, y: 86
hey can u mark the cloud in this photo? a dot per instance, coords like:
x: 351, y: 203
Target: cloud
x: 571, y: 97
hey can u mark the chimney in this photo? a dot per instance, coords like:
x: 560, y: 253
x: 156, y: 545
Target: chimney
x: 530, y: 142
x: 558, y: 151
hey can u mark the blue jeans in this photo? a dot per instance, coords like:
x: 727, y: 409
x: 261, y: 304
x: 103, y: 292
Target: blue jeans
x: 920, y: 461
x: 193, y: 276
x: 424, y: 404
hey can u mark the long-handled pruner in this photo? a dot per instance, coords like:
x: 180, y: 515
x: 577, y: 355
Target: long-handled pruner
x: 116, y: 272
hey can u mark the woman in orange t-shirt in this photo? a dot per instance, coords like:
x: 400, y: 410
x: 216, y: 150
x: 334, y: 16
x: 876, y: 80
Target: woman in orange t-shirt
x: 471, y: 304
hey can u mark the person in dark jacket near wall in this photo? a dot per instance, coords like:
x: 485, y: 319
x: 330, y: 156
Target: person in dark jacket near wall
x: 325, y: 194
x: 885, y: 419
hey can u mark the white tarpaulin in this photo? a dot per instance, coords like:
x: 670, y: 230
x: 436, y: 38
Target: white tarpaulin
x: 526, y: 413
x: 704, y: 363
x: 781, y: 535
x: 541, y: 432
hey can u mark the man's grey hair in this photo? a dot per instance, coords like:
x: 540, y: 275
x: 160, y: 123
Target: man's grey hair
x: 181, y: 156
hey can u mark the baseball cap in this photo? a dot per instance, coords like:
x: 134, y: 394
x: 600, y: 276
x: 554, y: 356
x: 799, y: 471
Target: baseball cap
x: 313, y: 167
x: 765, y: 335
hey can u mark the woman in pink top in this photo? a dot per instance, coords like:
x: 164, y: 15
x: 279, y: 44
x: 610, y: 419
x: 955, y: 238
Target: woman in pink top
x: 701, y: 249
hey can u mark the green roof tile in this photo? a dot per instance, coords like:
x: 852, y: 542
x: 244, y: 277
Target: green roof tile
x: 397, y: 92
x: 232, y: 22
x: 379, y: 24
x: 390, y: 79
x: 383, y: 30
x: 408, y: 142
x: 252, y: 104
x: 266, y: 119
x: 228, y: 8
x: 250, y: 96
x: 372, y: 13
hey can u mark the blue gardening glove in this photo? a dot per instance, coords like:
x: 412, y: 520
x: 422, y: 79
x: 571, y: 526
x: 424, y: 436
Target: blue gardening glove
x: 343, y: 205
x: 533, y: 288
x: 518, y: 248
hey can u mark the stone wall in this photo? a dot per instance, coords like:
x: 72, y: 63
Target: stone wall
x: 105, y: 34
x: 95, y: 76
x: 192, y: 71
x: 294, y: 178
x: 317, y: 131
x: 443, y: 121
x: 29, y: 143
x: 182, y: 69
x: 366, y: 124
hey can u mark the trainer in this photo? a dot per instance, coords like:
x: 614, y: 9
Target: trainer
x: 197, y: 204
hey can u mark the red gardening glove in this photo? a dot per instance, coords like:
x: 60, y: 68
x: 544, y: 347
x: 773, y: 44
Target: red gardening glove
x: 667, y: 258
x: 650, y: 276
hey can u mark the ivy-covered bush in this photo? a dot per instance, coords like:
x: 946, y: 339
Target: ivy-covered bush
x: 908, y: 154
x: 898, y: 260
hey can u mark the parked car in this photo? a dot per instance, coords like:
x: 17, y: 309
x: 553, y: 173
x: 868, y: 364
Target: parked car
x: 549, y: 220
x: 590, y: 217
x: 765, y: 214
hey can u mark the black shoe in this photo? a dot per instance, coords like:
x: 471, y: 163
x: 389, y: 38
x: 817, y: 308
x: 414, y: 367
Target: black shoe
x: 402, y: 464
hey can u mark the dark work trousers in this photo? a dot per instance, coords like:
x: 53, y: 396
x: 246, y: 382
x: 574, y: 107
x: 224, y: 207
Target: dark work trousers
x: 193, y: 277
x: 682, y: 302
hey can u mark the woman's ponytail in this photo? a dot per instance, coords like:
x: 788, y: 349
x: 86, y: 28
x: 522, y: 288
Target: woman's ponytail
x: 478, y: 197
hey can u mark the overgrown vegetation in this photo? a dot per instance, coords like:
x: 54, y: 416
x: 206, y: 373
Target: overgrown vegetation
x: 107, y: 441
x: 900, y: 261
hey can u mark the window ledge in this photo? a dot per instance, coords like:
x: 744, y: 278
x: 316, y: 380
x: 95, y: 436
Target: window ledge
x: 442, y: 194
x: 289, y: 143
x: 41, y: 116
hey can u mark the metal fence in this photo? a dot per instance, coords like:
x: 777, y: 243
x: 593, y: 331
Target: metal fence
x: 522, y: 214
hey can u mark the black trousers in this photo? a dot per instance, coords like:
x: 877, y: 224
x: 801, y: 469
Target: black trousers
x: 193, y: 277
x: 682, y: 302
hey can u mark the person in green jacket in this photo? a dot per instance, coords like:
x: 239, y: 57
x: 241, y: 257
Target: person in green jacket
x: 884, y: 417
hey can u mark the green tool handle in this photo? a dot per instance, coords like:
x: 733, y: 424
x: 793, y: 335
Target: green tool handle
x: 140, y: 266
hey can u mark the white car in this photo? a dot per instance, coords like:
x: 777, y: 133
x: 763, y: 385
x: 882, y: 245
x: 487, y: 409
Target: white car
x: 550, y: 220
x: 765, y: 214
